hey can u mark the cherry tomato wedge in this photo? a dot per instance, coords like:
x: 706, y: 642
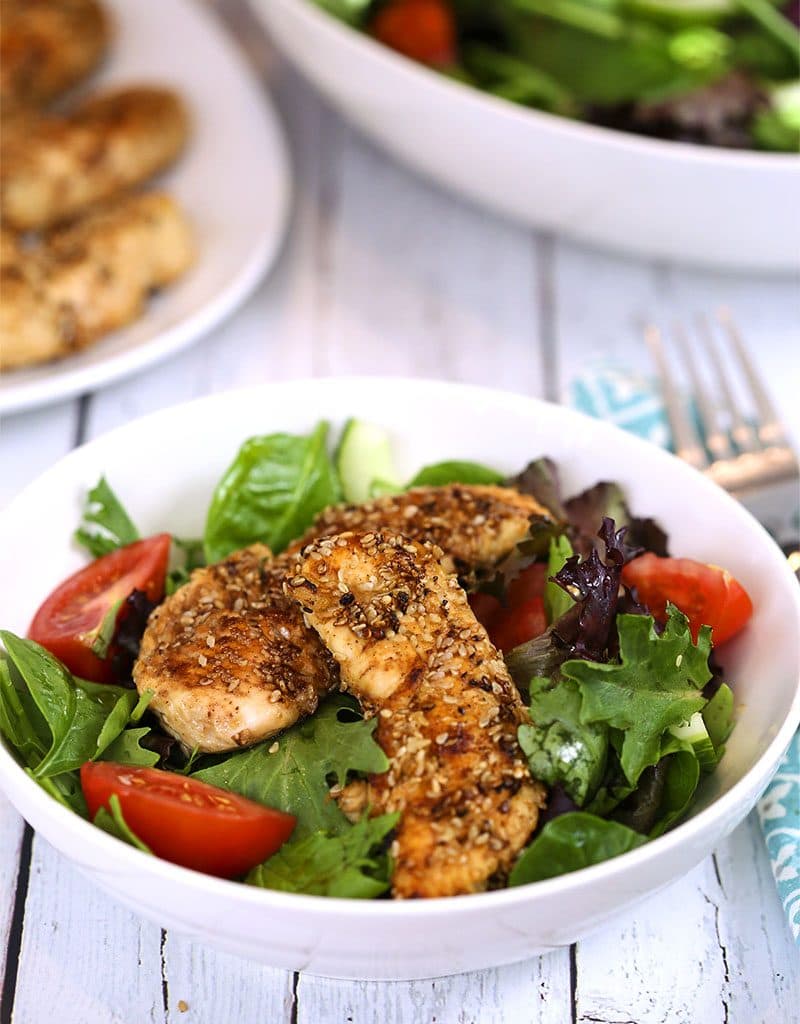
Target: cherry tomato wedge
x: 513, y: 626
x: 485, y: 608
x: 528, y: 584
x: 423, y: 30
x: 522, y: 617
x: 706, y: 594
x: 67, y: 623
x: 186, y: 821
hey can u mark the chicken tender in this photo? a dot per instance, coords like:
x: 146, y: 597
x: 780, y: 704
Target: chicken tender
x: 475, y: 526
x: 410, y: 649
x: 46, y: 47
x: 229, y: 658
x: 61, y: 166
x: 90, y: 278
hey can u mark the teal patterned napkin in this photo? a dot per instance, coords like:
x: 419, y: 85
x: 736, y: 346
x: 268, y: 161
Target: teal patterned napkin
x: 633, y: 401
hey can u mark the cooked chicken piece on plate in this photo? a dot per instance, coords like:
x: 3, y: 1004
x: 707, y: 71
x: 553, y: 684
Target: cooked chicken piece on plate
x: 60, y: 166
x: 46, y: 47
x: 228, y: 657
x: 410, y: 649
x: 476, y: 526
x: 89, y: 278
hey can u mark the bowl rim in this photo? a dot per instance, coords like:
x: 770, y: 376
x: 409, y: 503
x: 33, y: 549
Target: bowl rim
x: 615, y: 139
x: 14, y: 776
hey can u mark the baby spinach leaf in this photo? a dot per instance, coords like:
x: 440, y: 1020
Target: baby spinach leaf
x: 21, y: 722
x: 656, y: 684
x: 351, y: 863
x: 271, y: 492
x: 572, y: 841
x: 66, y: 789
x: 295, y: 777
x: 105, y: 525
x: 455, y: 472
x: 72, y: 720
x: 682, y: 773
x: 114, y: 823
x: 559, y: 747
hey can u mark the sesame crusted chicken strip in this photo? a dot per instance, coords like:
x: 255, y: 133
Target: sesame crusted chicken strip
x: 61, y: 166
x: 46, y: 47
x: 90, y: 277
x: 475, y: 526
x: 411, y: 650
x: 228, y: 657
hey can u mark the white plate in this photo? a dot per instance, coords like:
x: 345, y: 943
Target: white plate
x: 233, y: 181
x: 667, y: 199
x: 181, y: 453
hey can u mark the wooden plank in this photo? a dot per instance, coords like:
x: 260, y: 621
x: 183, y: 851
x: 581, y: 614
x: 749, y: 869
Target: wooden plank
x: 11, y: 828
x: 763, y: 968
x: 84, y: 959
x: 713, y: 947
x: 203, y: 986
x: 534, y: 992
x: 661, y: 962
x: 417, y: 282
x: 32, y: 441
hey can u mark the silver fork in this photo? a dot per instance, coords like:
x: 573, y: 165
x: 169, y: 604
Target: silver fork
x: 747, y: 454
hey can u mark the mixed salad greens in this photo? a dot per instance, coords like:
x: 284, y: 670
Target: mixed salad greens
x: 719, y: 72
x: 628, y: 708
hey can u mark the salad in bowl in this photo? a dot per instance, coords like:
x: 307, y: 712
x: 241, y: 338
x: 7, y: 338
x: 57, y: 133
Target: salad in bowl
x: 327, y: 672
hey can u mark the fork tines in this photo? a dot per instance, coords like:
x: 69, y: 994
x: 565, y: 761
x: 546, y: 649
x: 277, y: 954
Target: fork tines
x: 743, y: 448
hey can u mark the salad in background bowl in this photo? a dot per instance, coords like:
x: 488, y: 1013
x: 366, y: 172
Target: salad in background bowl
x: 714, y: 72
x: 577, y: 72
x: 641, y: 712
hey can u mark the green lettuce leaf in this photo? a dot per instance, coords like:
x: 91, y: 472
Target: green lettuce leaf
x: 559, y: 747
x: 351, y: 863
x: 127, y: 749
x: 295, y: 777
x: 657, y: 684
x: 557, y: 601
x: 105, y: 525
x: 271, y: 492
x: 572, y: 841
x: 454, y: 472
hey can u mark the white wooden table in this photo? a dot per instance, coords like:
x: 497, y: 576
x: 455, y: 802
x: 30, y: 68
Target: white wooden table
x: 384, y: 273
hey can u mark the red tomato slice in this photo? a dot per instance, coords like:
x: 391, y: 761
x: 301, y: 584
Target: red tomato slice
x: 67, y: 623
x: 706, y: 594
x: 513, y: 626
x: 423, y: 30
x: 186, y: 821
x: 485, y: 607
x: 529, y: 584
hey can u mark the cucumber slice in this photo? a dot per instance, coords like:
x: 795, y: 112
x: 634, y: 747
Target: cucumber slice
x: 694, y: 732
x: 364, y: 456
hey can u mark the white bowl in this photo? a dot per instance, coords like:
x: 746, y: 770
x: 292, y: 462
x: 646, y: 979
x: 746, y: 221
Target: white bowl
x: 667, y: 199
x: 164, y: 468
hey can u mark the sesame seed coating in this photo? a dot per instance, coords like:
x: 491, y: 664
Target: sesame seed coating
x: 475, y: 526
x: 407, y: 643
x: 229, y: 658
